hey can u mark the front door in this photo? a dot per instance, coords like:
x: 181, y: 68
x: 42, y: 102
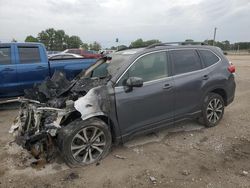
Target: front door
x: 148, y: 106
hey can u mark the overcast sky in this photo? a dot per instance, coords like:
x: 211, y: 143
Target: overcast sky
x: 105, y: 20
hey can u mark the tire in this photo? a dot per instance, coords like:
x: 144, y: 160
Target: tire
x: 84, y: 142
x: 212, y: 110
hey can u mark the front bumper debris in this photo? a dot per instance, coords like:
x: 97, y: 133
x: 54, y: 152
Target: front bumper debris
x: 36, y: 127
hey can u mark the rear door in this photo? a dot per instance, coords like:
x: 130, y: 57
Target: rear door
x: 149, y: 106
x: 32, y: 66
x: 189, y: 78
x: 8, y: 76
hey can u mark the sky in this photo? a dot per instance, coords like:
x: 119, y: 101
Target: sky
x: 105, y: 20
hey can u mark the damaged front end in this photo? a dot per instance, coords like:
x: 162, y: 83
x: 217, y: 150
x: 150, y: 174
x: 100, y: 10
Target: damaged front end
x: 36, y: 127
x: 52, y: 105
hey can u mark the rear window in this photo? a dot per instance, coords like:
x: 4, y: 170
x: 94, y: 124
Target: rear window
x: 208, y: 57
x: 185, y: 61
x: 5, y: 55
x: 29, y: 55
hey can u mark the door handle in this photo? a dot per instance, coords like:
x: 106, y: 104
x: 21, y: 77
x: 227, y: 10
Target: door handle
x: 8, y: 69
x: 40, y: 67
x: 205, y: 77
x: 167, y: 86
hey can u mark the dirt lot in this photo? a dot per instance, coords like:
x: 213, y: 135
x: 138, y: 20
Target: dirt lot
x: 186, y: 156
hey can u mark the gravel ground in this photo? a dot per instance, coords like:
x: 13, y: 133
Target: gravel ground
x: 187, y: 155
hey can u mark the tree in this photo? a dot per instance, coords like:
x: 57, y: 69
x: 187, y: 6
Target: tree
x: 189, y: 40
x: 60, y: 40
x: 113, y: 48
x: 74, y: 42
x: 140, y: 43
x: 95, y: 46
x: 226, y: 44
x: 47, y: 37
x: 121, y: 47
x: 57, y: 40
x: 242, y: 45
x: 209, y: 42
x: 85, y: 46
x: 137, y: 44
x: 30, y: 38
x: 150, y: 42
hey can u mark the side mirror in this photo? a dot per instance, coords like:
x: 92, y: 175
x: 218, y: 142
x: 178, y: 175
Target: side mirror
x: 133, y: 82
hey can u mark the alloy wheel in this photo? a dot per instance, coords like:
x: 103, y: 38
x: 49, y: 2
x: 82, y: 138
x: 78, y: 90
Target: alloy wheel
x: 88, y: 144
x: 214, y: 110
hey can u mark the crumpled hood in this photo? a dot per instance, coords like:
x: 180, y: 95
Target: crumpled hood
x: 55, y: 91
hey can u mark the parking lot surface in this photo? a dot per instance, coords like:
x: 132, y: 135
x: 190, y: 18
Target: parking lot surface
x: 186, y: 155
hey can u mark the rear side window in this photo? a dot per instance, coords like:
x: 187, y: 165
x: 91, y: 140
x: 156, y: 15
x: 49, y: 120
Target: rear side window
x: 185, y: 61
x: 208, y: 57
x: 5, y: 55
x: 29, y: 55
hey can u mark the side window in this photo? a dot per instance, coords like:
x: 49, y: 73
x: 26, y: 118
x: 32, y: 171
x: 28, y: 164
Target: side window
x: 208, y: 57
x: 29, y: 55
x: 77, y: 51
x: 185, y: 61
x: 149, y: 67
x: 5, y: 55
x: 67, y: 56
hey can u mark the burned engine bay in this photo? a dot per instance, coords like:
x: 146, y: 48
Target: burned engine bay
x: 51, y: 105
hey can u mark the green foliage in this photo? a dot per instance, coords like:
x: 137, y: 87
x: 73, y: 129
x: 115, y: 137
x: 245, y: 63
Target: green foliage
x: 189, y: 40
x: 85, y: 46
x: 113, y: 48
x: 56, y: 40
x: 47, y: 37
x: 74, y: 42
x: 121, y: 47
x: 140, y: 43
x: 224, y: 45
x: 30, y: 38
x: 242, y: 45
x: 95, y: 46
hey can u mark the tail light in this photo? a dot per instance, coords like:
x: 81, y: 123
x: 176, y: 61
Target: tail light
x: 231, y: 68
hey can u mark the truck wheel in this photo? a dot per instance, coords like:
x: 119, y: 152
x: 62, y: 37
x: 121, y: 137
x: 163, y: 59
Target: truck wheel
x: 212, y: 110
x: 84, y: 142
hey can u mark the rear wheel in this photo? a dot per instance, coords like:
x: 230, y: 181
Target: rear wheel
x: 84, y: 142
x: 213, y: 110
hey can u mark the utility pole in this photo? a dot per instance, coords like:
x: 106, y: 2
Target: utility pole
x: 214, y: 35
x: 117, y: 40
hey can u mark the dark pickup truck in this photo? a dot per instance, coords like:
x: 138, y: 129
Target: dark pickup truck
x: 24, y: 64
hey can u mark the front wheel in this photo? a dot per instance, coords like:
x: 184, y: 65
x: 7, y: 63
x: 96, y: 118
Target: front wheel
x: 84, y: 142
x: 212, y: 110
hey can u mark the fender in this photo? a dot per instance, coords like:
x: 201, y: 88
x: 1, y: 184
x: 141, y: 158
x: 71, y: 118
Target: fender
x: 95, y: 103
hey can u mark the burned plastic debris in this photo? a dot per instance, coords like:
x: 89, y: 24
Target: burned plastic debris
x: 47, y: 107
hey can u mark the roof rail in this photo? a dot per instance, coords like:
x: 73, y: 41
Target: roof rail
x: 176, y: 43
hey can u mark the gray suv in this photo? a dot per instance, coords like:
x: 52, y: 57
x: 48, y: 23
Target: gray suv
x: 136, y: 91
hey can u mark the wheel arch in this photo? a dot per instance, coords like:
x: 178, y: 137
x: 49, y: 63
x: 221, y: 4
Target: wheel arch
x: 222, y: 93
x: 111, y: 125
x: 77, y: 115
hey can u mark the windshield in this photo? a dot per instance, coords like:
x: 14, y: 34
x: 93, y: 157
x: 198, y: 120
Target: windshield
x: 111, y: 67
